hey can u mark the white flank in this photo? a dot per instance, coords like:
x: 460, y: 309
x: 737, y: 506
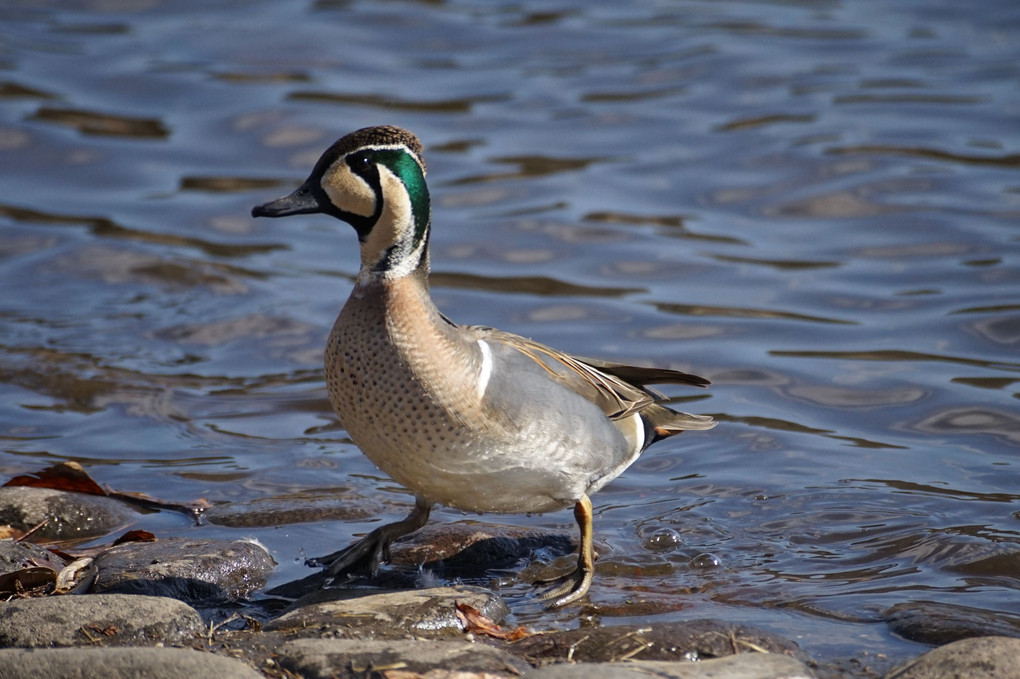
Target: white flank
x: 639, y: 433
x: 486, y: 370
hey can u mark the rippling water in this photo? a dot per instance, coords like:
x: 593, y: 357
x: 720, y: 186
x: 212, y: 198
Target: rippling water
x: 814, y: 204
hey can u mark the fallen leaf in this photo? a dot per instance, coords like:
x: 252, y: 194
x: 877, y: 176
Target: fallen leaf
x: 69, y: 476
x: 477, y: 623
x: 75, y: 576
x: 26, y: 579
x: 136, y: 535
x: 72, y: 477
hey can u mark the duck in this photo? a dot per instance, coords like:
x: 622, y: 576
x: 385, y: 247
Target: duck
x: 464, y: 416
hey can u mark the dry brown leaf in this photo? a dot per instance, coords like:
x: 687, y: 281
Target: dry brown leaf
x: 136, y: 535
x: 477, y: 623
x: 69, y: 476
x: 75, y: 576
x: 10, y: 533
x: 72, y: 477
x: 25, y: 579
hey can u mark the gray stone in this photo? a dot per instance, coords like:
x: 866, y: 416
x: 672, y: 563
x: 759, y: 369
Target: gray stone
x: 687, y: 640
x: 388, y: 614
x: 110, y: 618
x: 185, y: 569
x: 327, y: 658
x: 975, y: 658
x: 283, y: 511
x: 17, y: 555
x: 24, y: 567
x: 929, y: 622
x: 743, y: 666
x: 68, y: 515
x: 120, y: 663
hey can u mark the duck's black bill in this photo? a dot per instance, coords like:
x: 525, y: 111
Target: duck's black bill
x: 301, y: 202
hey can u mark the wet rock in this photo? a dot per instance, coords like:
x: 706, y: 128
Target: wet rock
x: 189, y: 570
x: 17, y: 555
x: 30, y: 570
x: 977, y: 658
x: 743, y: 666
x: 326, y: 658
x: 456, y: 549
x: 68, y: 515
x: 121, y: 663
x: 684, y: 641
x: 928, y: 622
x: 106, y: 618
x: 371, y: 613
x: 290, y: 510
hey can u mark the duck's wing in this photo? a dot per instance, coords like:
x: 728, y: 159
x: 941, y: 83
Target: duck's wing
x: 618, y: 390
x: 641, y: 376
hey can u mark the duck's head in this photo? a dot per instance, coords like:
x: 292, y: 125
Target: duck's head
x: 373, y: 179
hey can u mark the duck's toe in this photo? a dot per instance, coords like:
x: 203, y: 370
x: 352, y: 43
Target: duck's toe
x: 567, y: 589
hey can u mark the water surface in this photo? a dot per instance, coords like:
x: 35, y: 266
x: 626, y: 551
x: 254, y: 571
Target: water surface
x: 814, y: 204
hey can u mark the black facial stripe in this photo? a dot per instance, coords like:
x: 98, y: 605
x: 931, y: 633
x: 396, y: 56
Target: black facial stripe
x: 362, y: 224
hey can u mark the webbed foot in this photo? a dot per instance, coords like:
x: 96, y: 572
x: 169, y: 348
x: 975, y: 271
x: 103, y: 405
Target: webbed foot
x: 371, y: 551
x: 574, y: 585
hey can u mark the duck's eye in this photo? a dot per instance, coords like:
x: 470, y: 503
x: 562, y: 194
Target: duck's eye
x: 359, y: 162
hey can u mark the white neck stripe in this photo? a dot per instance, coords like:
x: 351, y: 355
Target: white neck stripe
x: 485, y: 371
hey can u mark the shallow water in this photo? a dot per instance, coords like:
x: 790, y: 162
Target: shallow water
x: 814, y: 204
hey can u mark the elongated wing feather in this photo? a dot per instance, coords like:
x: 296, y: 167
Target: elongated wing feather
x: 640, y: 376
x: 618, y: 390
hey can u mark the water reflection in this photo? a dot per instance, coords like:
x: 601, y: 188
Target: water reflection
x: 89, y: 122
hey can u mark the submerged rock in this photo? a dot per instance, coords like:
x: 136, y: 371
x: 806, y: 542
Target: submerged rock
x: 444, y: 551
x: 466, y: 549
x: 97, y: 618
x: 928, y: 622
x: 288, y: 510
x: 189, y: 570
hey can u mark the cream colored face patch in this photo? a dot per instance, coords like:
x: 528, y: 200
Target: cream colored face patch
x: 393, y: 233
x: 347, y: 191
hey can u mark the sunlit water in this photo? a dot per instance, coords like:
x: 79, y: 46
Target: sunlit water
x: 815, y: 204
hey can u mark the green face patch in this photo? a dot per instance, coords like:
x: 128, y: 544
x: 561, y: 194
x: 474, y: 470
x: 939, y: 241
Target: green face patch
x: 404, y: 166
